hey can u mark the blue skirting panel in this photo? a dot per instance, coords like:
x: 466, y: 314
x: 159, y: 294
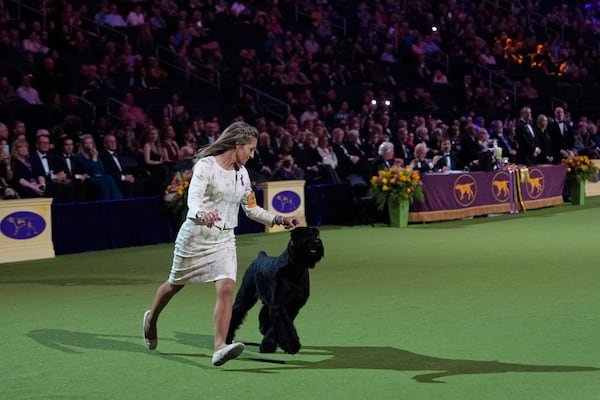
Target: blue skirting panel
x: 99, y: 225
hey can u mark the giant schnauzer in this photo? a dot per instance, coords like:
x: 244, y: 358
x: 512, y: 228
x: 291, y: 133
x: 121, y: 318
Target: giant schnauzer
x: 282, y: 284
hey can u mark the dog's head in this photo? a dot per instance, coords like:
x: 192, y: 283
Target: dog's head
x: 306, y: 246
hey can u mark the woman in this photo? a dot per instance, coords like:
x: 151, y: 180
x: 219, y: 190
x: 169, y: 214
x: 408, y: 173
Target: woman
x: 25, y: 182
x: 205, y: 245
x: 169, y: 145
x: 154, y: 156
x: 104, y: 185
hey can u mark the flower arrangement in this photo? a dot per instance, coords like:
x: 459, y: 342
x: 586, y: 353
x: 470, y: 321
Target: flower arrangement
x: 396, y: 184
x: 580, y: 168
x: 176, y: 193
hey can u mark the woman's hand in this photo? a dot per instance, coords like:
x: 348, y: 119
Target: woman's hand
x: 208, y: 218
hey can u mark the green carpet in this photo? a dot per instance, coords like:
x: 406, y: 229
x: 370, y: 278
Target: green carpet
x: 501, y: 307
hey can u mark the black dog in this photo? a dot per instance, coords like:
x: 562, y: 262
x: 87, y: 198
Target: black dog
x: 282, y: 285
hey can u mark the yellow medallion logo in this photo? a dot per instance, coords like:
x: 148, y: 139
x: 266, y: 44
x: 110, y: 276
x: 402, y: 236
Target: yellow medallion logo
x: 500, y: 187
x: 465, y: 190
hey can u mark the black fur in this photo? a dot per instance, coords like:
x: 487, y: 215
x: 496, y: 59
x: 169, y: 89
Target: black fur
x: 282, y: 285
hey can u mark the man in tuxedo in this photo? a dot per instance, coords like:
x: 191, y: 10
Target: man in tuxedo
x: 447, y: 159
x: 121, y: 168
x: 561, y: 135
x: 529, y: 147
x: 78, y: 187
x: 402, y: 149
x: 45, y: 162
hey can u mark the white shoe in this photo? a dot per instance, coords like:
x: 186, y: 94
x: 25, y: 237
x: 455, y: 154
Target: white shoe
x: 150, y: 343
x: 227, y: 353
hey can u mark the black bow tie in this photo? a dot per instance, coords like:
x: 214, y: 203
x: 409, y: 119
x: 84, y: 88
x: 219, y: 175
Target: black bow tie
x: 43, y: 156
x: 67, y: 156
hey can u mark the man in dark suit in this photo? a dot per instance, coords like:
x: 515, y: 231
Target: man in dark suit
x: 402, y: 149
x: 121, y: 168
x: 386, y: 159
x: 447, y: 159
x: 469, y: 146
x: 77, y: 187
x: 561, y: 135
x: 45, y: 162
x: 529, y: 148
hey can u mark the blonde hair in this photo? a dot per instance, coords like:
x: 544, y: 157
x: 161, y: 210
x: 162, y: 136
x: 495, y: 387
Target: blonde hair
x: 234, y: 134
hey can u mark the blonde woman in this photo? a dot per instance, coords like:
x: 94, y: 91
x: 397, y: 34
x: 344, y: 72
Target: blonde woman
x: 104, y: 185
x: 205, y: 245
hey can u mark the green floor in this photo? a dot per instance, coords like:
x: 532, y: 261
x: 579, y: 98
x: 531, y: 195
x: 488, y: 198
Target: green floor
x: 502, y: 307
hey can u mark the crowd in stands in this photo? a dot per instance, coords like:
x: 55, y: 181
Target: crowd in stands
x: 368, y: 84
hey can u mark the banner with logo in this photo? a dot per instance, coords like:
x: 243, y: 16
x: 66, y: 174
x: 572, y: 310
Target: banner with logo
x: 460, y: 195
x: 25, y: 229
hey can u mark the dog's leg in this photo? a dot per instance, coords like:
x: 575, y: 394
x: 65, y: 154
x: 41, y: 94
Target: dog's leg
x: 285, y: 332
x: 245, y: 299
x: 264, y: 319
x: 268, y: 344
x: 283, y: 324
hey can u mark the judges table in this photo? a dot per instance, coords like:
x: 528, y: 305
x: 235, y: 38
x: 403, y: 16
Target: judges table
x: 466, y: 194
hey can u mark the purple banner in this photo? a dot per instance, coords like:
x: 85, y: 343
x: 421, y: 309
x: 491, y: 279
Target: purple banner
x: 457, y: 195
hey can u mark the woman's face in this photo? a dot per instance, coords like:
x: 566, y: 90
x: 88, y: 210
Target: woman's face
x: 23, y: 150
x: 244, y: 152
x: 88, y: 144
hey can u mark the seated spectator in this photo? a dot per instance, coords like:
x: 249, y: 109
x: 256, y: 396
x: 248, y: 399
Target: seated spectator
x: 25, y: 182
x: 186, y: 159
x: 386, y: 159
x: 582, y: 143
x: 169, y: 145
x: 421, y: 163
x: 439, y: 78
x: 267, y: 153
x: 78, y: 186
x: 6, y: 172
x: 135, y: 16
x: 176, y: 111
x: 287, y: 169
x: 33, y: 44
x: 45, y: 162
x: 188, y: 139
x: 447, y: 159
x: 28, y: 92
x: 7, y: 92
x: 311, y: 162
x: 124, y: 169
x: 328, y: 156
x: 113, y: 18
x: 103, y: 184
x: 507, y: 143
x: 130, y: 110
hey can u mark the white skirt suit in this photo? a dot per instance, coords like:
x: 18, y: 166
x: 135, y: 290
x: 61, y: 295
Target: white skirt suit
x: 205, y: 254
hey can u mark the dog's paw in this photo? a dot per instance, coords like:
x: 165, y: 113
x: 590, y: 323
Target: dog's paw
x: 268, y: 346
x: 292, y: 348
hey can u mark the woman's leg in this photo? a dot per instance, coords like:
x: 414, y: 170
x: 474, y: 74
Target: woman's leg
x: 223, y: 308
x: 164, y: 294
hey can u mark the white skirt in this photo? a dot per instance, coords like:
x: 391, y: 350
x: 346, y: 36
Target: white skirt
x: 203, y: 255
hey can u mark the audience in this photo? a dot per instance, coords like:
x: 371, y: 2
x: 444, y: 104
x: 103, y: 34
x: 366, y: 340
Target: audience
x: 381, y: 82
